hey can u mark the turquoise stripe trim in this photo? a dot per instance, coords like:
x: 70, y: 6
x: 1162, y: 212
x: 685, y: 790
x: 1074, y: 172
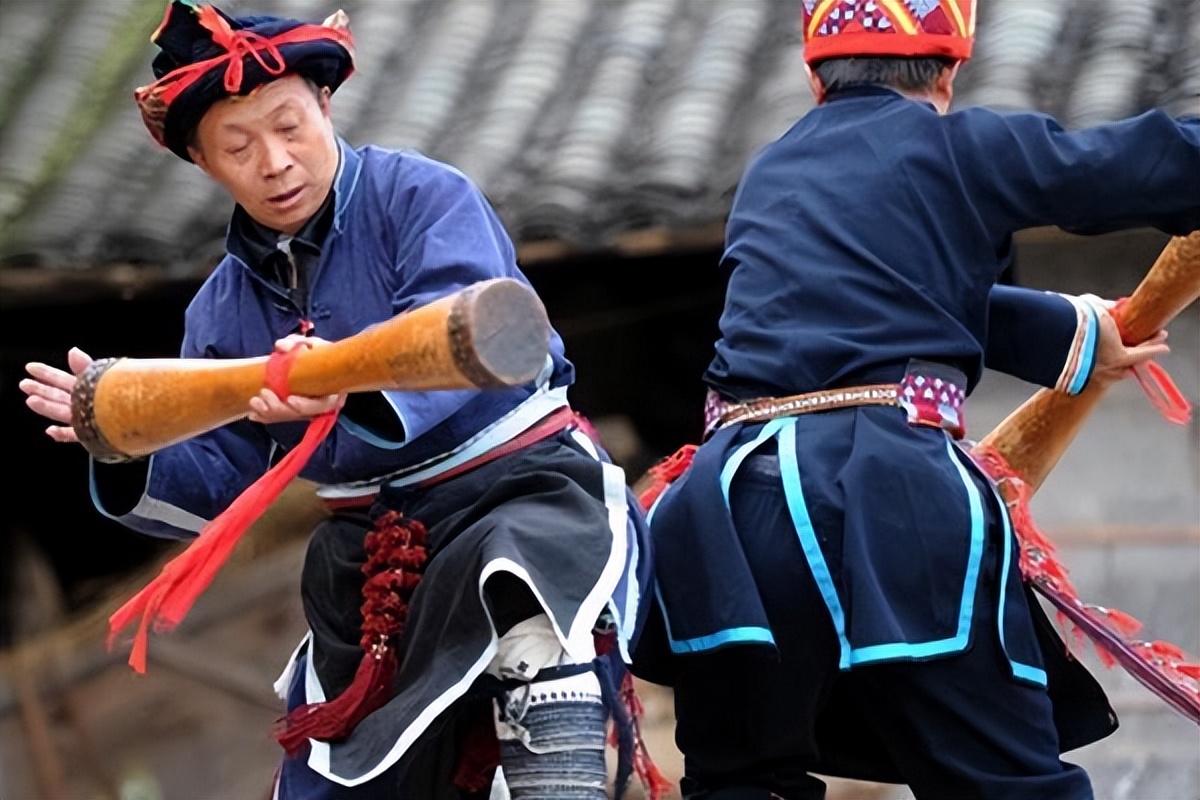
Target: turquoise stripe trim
x: 743, y: 635
x: 785, y: 430
x: 904, y: 651
x: 1087, y: 360
x: 735, y: 461
x: 713, y: 640
x: 794, y: 493
x: 730, y: 636
x: 1028, y: 673
x: 966, y: 608
x: 816, y: 560
x: 1024, y: 671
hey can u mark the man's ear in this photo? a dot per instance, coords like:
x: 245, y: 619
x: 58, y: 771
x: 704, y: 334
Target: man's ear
x: 325, y: 101
x: 197, y: 156
x: 815, y: 85
x: 944, y: 85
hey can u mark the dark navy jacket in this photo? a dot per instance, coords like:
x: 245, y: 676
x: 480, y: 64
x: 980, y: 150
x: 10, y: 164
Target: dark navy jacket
x: 406, y: 230
x: 874, y: 230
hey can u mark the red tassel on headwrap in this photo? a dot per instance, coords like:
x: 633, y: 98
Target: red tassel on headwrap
x: 164, y: 603
x: 395, y: 557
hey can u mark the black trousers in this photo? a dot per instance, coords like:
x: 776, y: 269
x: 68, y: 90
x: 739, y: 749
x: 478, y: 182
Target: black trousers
x: 750, y: 721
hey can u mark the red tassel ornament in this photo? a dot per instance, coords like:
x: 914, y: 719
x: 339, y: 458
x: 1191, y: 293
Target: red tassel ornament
x: 1155, y: 382
x: 655, y: 784
x: 396, y: 555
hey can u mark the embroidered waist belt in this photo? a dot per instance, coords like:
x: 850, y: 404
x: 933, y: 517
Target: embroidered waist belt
x: 927, y: 399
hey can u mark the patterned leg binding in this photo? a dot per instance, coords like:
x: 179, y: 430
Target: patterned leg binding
x: 552, y: 735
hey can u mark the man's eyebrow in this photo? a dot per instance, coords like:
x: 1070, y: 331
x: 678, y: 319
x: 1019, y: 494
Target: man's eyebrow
x: 233, y: 127
x: 287, y: 104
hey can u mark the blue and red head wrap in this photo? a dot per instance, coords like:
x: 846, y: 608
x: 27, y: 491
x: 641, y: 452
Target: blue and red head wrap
x: 896, y: 28
x: 207, y: 56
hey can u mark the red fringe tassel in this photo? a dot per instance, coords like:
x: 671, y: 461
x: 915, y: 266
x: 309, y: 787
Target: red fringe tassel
x: 395, y: 556
x: 1040, y: 566
x: 659, y: 477
x: 164, y: 603
x: 653, y: 781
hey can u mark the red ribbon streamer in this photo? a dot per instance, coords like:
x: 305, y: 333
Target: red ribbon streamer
x: 167, y: 599
x: 1154, y: 380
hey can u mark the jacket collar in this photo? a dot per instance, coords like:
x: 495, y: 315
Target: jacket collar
x: 345, y: 182
x: 859, y: 90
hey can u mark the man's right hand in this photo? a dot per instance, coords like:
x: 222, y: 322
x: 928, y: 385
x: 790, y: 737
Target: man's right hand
x: 1116, y: 360
x: 269, y: 408
x: 49, y: 392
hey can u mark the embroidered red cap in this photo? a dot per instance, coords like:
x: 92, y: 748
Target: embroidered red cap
x: 912, y: 28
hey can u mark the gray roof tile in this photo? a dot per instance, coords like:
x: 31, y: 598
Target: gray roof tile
x: 581, y: 119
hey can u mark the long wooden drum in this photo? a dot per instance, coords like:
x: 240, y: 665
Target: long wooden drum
x: 489, y: 335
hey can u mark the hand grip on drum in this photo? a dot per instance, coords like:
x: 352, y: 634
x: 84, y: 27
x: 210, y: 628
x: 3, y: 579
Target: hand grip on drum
x: 1033, y: 438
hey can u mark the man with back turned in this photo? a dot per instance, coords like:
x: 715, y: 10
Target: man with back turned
x: 839, y: 578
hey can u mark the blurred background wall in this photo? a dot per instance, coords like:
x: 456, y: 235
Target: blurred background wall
x: 610, y: 134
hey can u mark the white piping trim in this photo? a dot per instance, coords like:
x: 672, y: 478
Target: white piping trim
x: 615, y: 501
x: 517, y: 421
x: 284, y: 681
x: 318, y: 758
x: 151, y: 508
x: 601, y: 594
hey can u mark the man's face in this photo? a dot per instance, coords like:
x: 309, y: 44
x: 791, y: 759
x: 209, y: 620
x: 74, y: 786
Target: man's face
x: 274, y: 151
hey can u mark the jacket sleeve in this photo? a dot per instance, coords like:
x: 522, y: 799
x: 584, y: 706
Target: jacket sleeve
x: 174, y: 492
x: 1025, y: 170
x: 448, y: 237
x: 1045, y: 338
x: 180, y: 488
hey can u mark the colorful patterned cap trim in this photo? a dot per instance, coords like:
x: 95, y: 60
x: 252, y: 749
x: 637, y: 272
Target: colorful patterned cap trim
x: 911, y: 28
x: 206, y: 56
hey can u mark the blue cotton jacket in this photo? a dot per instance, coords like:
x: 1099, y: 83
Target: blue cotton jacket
x: 406, y: 230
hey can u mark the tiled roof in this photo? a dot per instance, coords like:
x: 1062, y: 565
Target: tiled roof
x: 583, y: 120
